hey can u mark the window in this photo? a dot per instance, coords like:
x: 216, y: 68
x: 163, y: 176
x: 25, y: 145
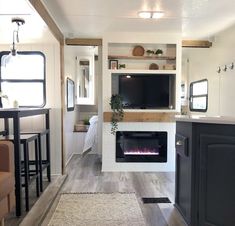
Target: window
x: 198, y: 100
x: 23, y: 78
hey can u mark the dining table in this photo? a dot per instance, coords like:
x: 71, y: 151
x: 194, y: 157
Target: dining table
x: 16, y: 114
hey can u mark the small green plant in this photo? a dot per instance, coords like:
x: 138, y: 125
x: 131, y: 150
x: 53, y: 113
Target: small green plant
x: 117, y: 108
x: 159, y: 52
x: 86, y: 121
x: 122, y: 66
x: 149, y: 52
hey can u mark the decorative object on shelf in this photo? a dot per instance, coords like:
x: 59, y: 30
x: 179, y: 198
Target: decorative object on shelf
x: 138, y: 51
x: 113, y: 64
x: 86, y: 122
x: 159, y: 52
x: 169, y: 67
x: 117, y: 114
x: 153, y: 66
x: 80, y: 127
x: 121, y: 66
x: 150, y: 52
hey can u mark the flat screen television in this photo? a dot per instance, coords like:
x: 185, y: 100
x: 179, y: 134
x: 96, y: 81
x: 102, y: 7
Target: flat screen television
x: 145, y: 91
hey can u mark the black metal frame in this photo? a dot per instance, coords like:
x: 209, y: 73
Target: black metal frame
x: 16, y: 114
x: 43, y: 81
x: 192, y: 96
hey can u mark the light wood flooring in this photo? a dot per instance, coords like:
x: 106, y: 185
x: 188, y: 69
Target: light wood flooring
x: 84, y: 175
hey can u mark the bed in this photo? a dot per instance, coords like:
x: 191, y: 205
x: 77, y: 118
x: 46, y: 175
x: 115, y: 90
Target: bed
x: 90, y: 143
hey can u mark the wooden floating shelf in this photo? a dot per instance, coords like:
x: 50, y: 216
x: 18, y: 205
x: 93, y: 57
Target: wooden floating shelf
x: 143, y: 117
x: 112, y: 57
x: 147, y: 71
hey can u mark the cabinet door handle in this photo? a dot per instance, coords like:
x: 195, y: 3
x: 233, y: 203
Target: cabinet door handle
x: 179, y: 143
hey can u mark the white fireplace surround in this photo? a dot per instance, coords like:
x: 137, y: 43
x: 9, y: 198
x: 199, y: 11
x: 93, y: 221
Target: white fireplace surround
x: 109, y: 148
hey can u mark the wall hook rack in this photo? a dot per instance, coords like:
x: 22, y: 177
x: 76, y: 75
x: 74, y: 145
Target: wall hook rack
x: 231, y: 66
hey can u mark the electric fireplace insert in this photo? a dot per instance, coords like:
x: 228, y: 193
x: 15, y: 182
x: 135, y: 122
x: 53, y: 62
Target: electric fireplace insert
x: 146, y: 146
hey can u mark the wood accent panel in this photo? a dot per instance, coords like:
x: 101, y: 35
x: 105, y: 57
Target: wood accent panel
x: 143, y: 117
x: 62, y: 80
x: 196, y: 44
x: 83, y: 41
x: 141, y: 57
x: 42, y: 11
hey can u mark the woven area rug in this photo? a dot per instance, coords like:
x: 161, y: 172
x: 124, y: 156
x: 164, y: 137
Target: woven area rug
x: 98, y: 209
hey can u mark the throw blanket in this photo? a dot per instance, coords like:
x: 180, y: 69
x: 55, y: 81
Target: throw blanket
x: 91, y: 136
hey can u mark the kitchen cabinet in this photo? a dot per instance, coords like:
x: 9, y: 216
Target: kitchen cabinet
x: 205, y: 173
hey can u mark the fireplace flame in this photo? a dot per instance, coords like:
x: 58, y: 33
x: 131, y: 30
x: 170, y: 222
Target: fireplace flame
x: 142, y: 151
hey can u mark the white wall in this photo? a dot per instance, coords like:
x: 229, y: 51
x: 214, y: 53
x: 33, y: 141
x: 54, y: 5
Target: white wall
x: 70, y: 117
x: 53, y: 94
x: 203, y: 63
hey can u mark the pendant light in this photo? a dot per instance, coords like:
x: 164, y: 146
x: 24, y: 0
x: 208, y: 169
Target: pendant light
x: 13, y: 54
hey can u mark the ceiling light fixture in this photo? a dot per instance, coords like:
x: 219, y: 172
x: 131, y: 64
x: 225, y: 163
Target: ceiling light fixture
x: 151, y: 14
x: 13, y: 53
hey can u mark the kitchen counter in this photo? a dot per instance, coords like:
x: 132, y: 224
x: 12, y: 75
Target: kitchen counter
x: 206, y: 119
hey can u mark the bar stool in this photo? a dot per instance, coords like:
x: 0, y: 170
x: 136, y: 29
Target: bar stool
x: 43, y: 163
x: 28, y: 174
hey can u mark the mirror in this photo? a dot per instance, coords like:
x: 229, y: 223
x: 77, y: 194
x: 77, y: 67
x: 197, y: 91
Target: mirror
x: 85, y: 80
x: 70, y: 95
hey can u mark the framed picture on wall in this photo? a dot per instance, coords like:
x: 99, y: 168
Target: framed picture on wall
x: 113, y: 64
x: 70, y: 94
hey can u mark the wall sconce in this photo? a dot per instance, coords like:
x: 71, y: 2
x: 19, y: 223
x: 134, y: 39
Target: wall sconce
x: 151, y: 14
x: 13, y: 53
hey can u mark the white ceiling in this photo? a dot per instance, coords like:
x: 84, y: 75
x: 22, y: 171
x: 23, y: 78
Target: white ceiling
x: 33, y: 31
x: 91, y: 18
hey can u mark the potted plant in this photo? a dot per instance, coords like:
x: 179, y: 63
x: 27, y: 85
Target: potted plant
x: 150, y: 52
x: 159, y: 52
x: 122, y: 66
x: 117, y: 114
x: 86, y: 122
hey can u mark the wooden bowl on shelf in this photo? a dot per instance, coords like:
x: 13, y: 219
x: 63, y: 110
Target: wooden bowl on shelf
x: 138, y: 51
x: 153, y: 66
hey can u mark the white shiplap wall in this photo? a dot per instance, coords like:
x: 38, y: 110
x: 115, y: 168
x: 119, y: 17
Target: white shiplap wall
x: 203, y: 63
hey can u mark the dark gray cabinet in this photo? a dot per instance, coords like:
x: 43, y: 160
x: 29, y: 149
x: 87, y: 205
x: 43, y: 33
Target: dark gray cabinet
x: 205, y: 173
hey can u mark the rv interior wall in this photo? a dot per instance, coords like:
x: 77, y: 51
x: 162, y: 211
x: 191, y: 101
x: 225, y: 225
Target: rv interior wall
x: 203, y: 63
x: 53, y: 93
x: 81, y: 111
x: 70, y: 117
